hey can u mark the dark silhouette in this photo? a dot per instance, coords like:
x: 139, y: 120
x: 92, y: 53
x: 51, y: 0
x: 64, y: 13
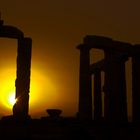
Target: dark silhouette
x: 116, y: 54
x: 54, y: 113
x: 85, y: 96
x: 20, y: 109
x: 136, y: 82
x: 113, y: 125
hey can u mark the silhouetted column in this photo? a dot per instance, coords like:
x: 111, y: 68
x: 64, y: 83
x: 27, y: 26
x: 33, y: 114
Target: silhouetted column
x: 115, y: 87
x: 20, y: 109
x: 136, y: 84
x: 97, y: 95
x: 85, y: 91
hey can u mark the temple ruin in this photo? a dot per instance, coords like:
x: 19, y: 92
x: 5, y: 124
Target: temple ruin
x: 24, y: 46
x: 116, y: 55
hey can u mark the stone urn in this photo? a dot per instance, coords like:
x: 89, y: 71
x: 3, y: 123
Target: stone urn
x: 54, y: 113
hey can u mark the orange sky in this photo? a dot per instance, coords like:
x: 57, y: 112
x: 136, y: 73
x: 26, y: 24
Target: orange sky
x: 56, y: 28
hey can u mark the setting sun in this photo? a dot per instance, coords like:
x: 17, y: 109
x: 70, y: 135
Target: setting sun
x: 9, y: 99
x: 12, y: 99
x: 7, y: 88
x: 38, y: 81
x: 44, y: 92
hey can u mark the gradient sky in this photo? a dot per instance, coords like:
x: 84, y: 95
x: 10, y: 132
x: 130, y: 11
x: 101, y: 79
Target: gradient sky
x: 56, y: 28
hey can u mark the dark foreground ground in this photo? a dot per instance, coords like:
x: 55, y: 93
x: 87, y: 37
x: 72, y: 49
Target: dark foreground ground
x: 67, y: 129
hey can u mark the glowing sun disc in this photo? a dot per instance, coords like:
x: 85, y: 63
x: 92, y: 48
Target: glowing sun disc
x: 11, y: 99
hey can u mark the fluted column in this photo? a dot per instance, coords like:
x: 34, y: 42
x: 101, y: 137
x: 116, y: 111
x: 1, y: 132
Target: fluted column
x: 97, y: 95
x: 136, y: 84
x: 115, y: 87
x: 20, y: 109
x: 85, y: 90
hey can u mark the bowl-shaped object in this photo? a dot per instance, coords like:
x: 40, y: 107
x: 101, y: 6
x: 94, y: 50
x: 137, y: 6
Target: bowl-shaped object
x: 54, y: 112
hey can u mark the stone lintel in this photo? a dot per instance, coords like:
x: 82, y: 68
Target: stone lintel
x: 99, y: 42
x: 83, y: 47
x: 10, y: 32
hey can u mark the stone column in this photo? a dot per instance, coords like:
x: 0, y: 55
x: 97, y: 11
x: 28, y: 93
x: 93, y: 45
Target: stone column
x: 85, y: 89
x: 136, y: 84
x: 115, y: 87
x: 97, y: 95
x: 20, y: 109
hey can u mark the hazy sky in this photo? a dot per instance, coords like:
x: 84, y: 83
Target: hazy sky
x: 56, y: 28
